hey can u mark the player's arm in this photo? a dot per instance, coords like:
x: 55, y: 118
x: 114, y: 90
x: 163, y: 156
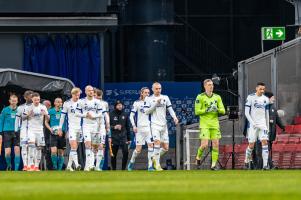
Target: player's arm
x: 128, y: 129
x: 63, y: 115
x: 220, y: 106
x: 79, y: 111
x: 199, y: 108
x: 132, y: 116
x: 247, y: 111
x: 267, y: 116
x: 2, y: 120
x: 99, y: 113
x: 18, y: 119
x: 171, y: 111
x: 26, y: 114
x: 149, y: 107
x: 46, y: 120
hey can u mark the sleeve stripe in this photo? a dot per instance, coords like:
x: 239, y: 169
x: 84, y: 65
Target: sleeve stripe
x: 146, y: 106
x: 79, y: 109
x: 63, y: 112
x: 247, y: 106
x: 133, y: 111
x: 168, y: 106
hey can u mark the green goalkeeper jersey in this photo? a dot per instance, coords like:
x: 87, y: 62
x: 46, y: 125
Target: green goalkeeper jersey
x: 208, y: 109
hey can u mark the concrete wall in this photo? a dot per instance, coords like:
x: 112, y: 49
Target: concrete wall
x: 11, y: 51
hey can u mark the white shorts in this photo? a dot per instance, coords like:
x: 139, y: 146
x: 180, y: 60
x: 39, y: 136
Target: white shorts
x: 75, y: 134
x: 160, y: 133
x: 23, y: 136
x: 254, y: 134
x: 98, y: 138
x: 36, y: 137
x: 87, y: 132
x: 143, y: 136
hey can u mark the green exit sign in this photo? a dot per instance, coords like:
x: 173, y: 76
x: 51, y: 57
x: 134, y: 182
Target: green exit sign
x: 273, y: 33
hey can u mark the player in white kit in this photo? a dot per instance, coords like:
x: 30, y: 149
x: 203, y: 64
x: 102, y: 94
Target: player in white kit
x: 21, y: 125
x: 90, y: 109
x: 141, y: 127
x: 257, y: 114
x: 99, y: 137
x: 156, y: 105
x: 74, y: 127
x: 35, y: 115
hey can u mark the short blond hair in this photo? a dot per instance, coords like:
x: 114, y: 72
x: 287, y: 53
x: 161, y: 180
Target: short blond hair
x: 76, y: 90
x: 207, y: 81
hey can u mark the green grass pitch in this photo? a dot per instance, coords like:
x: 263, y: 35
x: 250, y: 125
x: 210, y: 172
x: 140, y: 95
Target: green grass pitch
x: 141, y: 185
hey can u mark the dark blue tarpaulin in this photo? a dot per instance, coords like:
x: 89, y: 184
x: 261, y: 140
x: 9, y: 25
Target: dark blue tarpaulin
x: 76, y: 57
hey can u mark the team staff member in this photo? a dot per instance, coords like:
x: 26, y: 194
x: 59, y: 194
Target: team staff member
x: 10, y: 137
x: 120, y: 130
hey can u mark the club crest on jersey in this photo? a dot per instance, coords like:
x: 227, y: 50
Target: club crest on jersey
x: 123, y: 117
x: 115, y: 118
x: 258, y: 105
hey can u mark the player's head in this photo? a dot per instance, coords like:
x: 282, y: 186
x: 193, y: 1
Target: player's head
x: 36, y: 98
x: 27, y: 96
x: 118, y: 105
x: 271, y: 96
x: 89, y: 90
x: 47, y: 103
x: 157, y: 89
x: 98, y: 93
x: 13, y: 100
x: 75, y: 93
x: 58, y: 102
x: 144, y: 92
x: 260, y: 88
x: 208, y: 85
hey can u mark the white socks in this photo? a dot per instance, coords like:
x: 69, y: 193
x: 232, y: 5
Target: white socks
x: 265, y: 155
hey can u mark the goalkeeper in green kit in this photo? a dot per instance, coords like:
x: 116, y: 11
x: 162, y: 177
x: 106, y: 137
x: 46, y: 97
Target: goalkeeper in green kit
x: 208, y: 106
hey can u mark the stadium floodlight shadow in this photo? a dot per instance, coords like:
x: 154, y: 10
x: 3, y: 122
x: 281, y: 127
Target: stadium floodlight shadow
x: 233, y: 116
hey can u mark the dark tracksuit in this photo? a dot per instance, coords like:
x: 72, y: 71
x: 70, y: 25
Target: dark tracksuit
x: 274, y: 120
x: 120, y: 137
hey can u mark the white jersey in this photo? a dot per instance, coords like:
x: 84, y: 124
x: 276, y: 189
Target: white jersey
x: 142, y: 119
x: 19, y: 122
x: 36, y: 122
x: 258, y: 110
x: 105, y: 107
x: 157, y: 111
x: 93, y: 107
x: 69, y: 109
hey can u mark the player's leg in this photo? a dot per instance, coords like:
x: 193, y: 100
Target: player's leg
x: 95, y: 141
x: 157, y: 144
x: 16, y: 144
x: 204, y: 139
x: 263, y: 137
x: 74, y: 137
x: 31, y: 149
x: 53, y: 150
x: 100, y: 152
x: 61, y: 151
x: 88, y: 148
x: 140, y: 140
x: 165, y: 143
x: 215, y: 136
x: 125, y: 155
x: 40, y: 144
x: 24, y: 148
x: 1, y: 144
x: 7, y: 141
x: 252, y: 137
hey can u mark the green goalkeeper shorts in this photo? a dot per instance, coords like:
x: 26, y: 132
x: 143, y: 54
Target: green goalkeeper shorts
x: 210, y: 134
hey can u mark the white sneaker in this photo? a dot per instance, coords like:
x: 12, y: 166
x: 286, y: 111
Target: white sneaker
x: 97, y: 169
x: 70, y: 169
